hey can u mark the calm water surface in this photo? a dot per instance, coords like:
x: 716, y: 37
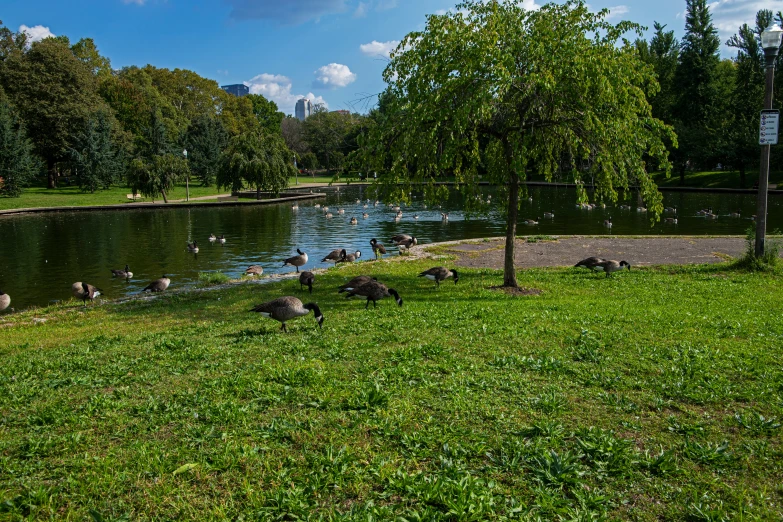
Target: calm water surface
x: 42, y: 255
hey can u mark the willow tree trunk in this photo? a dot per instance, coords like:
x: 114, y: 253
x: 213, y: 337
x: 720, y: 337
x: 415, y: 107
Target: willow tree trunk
x: 509, y: 273
x: 163, y: 193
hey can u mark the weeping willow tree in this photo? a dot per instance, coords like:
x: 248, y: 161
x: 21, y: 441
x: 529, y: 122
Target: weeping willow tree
x: 259, y: 159
x: 491, y: 90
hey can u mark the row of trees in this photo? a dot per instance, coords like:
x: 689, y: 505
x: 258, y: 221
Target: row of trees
x: 64, y: 111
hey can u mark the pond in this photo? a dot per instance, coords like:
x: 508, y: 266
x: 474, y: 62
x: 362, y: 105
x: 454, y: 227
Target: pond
x: 43, y: 254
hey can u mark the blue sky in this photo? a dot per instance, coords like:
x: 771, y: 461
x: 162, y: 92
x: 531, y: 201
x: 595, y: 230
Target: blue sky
x: 329, y: 50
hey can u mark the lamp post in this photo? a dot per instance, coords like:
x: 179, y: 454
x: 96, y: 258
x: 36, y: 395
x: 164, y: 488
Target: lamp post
x: 770, y: 41
x: 187, y: 177
x: 296, y: 168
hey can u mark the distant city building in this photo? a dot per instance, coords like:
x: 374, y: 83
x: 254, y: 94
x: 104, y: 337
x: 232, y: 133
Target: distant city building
x: 238, y: 89
x: 343, y: 112
x: 304, y: 108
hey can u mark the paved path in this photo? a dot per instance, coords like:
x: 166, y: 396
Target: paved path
x: 567, y: 251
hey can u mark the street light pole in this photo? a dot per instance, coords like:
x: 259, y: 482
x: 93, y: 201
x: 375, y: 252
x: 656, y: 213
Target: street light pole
x: 187, y: 177
x: 770, y: 41
x: 296, y: 174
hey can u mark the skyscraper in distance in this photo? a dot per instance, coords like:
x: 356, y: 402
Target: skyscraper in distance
x: 304, y: 108
x: 238, y: 89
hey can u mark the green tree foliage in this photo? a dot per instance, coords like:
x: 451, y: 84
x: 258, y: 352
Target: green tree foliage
x: 87, y: 52
x: 293, y: 134
x: 267, y: 114
x: 18, y: 164
x: 156, y: 176
x: 662, y: 53
x: 492, y: 89
x: 205, y: 140
x: 55, y: 94
x: 95, y: 157
x: 330, y: 137
x: 260, y: 160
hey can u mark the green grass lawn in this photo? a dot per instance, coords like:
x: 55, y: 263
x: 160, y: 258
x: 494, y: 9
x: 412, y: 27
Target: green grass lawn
x: 65, y: 196
x: 656, y: 394
x: 715, y: 179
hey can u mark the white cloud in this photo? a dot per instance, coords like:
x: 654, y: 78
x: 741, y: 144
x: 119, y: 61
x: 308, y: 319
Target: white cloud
x: 278, y: 88
x: 334, y: 75
x: 376, y: 48
x: 729, y: 15
x: 530, y: 5
x: 617, y: 12
x: 361, y: 10
x: 36, y: 33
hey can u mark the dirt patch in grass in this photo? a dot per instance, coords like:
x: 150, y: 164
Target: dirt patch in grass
x: 517, y: 292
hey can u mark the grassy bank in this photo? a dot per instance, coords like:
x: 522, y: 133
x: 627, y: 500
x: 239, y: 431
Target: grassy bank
x: 656, y: 394
x: 715, y: 179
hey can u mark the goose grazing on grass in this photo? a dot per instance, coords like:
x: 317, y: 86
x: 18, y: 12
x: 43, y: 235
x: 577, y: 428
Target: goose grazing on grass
x: 373, y: 291
x: 354, y: 221
x: 440, y: 273
x: 255, y: 270
x: 608, y: 222
x: 125, y: 274
x: 349, y: 258
x: 297, y: 261
x: 306, y: 279
x: 193, y: 247
x: 283, y: 309
x: 85, y: 291
x: 590, y: 263
x: 158, y: 285
x: 5, y: 300
x: 356, y: 282
x: 609, y: 266
x: 377, y: 248
x: 672, y: 220
x: 333, y: 256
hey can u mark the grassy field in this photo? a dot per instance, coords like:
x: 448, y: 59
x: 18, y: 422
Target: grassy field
x: 653, y: 395
x: 715, y: 179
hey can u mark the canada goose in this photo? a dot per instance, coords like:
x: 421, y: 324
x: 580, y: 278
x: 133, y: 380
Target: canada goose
x: 672, y: 220
x: 358, y: 201
x: 325, y: 208
x: 625, y: 207
x: 333, y: 256
x: 365, y: 215
x: 329, y: 215
x: 400, y: 237
x: 395, y: 208
x: 549, y: 214
x: 306, y: 279
x: 444, y: 216
x: 439, y: 274
x: 376, y: 203
x: 377, y: 248
x: 530, y: 222
x: 212, y: 238
x: 295, y: 206
x: 671, y: 210
x: 590, y: 263
x: 5, y: 300
x: 610, y: 265
x: 704, y: 211
x: 255, y: 270
x: 735, y: 214
x: 193, y: 247
x: 356, y: 282
x: 398, y: 216
x: 603, y: 205
x: 608, y: 222
x: 349, y: 258
x: 341, y: 211
x: 711, y: 215
x: 530, y: 199
x: 125, y: 274
x: 406, y: 244
x: 354, y: 221
x: 317, y: 205
x: 364, y: 206
x: 222, y: 239
x: 373, y: 291
x: 641, y: 209
x: 297, y: 261
x: 85, y: 291
x: 415, y: 216
x: 158, y: 285
x: 284, y: 309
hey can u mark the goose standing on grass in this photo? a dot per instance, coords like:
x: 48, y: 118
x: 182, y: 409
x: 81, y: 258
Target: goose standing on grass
x: 283, y: 309
x: 608, y: 222
x: 373, y: 291
x: 377, y: 248
x: 356, y: 282
x: 125, y: 274
x: 610, y: 265
x: 85, y: 291
x: 5, y: 300
x: 349, y: 258
x: 193, y: 247
x: 440, y: 273
x: 158, y: 285
x: 333, y: 256
x: 306, y: 279
x: 296, y: 261
x: 254, y: 270
x: 590, y: 263
x: 212, y: 238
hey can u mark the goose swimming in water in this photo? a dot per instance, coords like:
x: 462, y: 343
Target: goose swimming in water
x: 193, y: 247
x: 125, y: 274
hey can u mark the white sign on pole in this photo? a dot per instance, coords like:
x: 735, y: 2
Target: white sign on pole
x: 768, y: 130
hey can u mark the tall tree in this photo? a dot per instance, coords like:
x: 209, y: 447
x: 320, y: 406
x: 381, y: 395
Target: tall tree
x: 267, y: 114
x: 260, y: 160
x: 205, y: 140
x: 87, y: 52
x: 156, y: 176
x: 95, y: 157
x: 18, y: 164
x: 492, y: 88
x: 697, y: 107
x: 55, y: 93
x: 662, y: 53
x: 293, y: 134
